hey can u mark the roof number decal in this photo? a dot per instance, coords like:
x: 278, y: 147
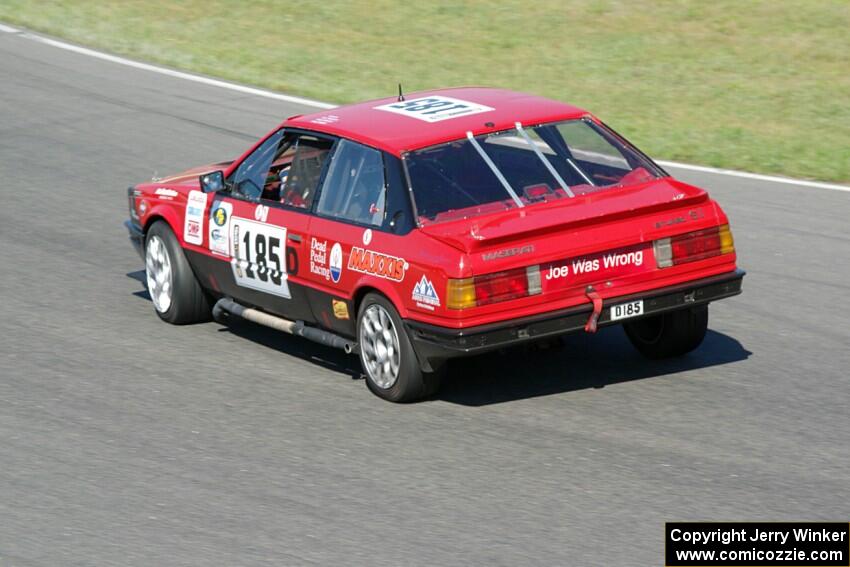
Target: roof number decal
x: 434, y: 108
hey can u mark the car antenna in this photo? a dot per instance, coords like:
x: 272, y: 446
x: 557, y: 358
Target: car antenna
x: 400, y: 94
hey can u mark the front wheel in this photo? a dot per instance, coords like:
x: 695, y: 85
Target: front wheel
x: 669, y: 334
x: 389, y: 362
x: 176, y: 294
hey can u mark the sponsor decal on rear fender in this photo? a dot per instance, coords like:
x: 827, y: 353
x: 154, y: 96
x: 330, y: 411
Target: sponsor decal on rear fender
x: 425, y: 295
x: 377, y: 264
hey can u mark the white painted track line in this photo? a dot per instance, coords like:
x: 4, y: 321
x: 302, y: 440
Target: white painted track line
x: 757, y: 176
x: 164, y: 70
x: 323, y: 105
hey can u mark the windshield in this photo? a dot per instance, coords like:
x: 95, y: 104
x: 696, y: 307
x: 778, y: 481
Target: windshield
x: 520, y: 167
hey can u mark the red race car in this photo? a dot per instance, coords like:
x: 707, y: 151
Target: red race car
x: 448, y: 223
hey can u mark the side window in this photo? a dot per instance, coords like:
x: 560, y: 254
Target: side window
x: 250, y: 177
x: 284, y: 169
x: 354, y: 189
x: 399, y: 217
x: 587, y: 145
x: 299, y: 175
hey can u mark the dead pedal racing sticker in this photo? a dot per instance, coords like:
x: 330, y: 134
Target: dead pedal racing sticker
x: 321, y: 264
x: 220, y: 227
x: 259, y: 256
x: 194, y: 223
x: 434, y: 108
x: 377, y: 264
x: 425, y: 295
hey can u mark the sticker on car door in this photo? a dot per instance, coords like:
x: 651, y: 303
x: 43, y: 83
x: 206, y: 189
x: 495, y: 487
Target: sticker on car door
x: 258, y: 256
x: 220, y: 214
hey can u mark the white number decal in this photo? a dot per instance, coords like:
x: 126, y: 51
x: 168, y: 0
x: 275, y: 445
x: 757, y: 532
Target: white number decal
x: 259, y: 256
x: 434, y: 108
x: 261, y: 213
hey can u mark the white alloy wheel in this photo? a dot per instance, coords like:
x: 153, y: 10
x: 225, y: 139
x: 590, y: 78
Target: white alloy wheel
x: 158, y: 271
x: 380, y: 346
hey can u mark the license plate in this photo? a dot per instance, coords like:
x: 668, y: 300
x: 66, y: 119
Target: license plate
x: 626, y: 310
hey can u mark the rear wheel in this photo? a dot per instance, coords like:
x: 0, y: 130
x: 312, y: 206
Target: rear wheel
x: 175, y: 292
x: 389, y: 362
x: 669, y: 334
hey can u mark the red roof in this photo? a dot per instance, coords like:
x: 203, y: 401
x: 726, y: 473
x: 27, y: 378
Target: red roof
x: 397, y: 130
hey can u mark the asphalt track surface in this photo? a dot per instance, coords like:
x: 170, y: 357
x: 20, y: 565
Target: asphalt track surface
x: 126, y: 441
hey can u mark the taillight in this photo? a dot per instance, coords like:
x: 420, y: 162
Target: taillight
x: 727, y: 242
x: 460, y: 294
x: 493, y: 288
x: 693, y: 246
x: 501, y: 286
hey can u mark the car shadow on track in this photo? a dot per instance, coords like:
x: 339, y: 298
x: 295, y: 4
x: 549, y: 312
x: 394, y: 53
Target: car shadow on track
x: 326, y: 357
x: 139, y: 276
x: 574, y: 362
x: 579, y: 362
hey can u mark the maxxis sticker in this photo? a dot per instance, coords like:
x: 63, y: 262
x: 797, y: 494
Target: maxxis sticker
x: 377, y: 264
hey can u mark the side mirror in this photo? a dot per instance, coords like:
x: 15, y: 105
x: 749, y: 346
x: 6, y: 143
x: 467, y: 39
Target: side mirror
x: 212, y: 182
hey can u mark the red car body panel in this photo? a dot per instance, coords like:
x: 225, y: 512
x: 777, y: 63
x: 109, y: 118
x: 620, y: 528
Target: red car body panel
x: 397, y: 134
x: 567, y: 232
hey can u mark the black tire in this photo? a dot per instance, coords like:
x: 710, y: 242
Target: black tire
x: 669, y: 334
x: 188, y: 302
x: 411, y: 384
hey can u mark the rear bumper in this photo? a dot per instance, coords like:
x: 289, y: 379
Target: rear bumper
x: 433, y: 343
x: 137, y: 237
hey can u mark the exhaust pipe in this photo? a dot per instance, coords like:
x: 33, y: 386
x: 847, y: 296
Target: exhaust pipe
x: 298, y: 328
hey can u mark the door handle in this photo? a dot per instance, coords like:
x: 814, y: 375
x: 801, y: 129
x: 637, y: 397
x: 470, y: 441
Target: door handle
x: 293, y: 237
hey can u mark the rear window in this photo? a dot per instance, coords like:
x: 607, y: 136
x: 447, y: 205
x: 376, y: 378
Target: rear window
x: 521, y: 167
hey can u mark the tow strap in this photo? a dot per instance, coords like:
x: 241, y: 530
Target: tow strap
x: 591, y: 294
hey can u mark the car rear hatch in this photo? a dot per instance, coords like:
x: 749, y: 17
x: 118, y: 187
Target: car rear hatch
x: 551, y: 252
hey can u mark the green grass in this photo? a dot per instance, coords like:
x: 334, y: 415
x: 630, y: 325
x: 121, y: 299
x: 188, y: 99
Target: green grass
x: 759, y: 86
